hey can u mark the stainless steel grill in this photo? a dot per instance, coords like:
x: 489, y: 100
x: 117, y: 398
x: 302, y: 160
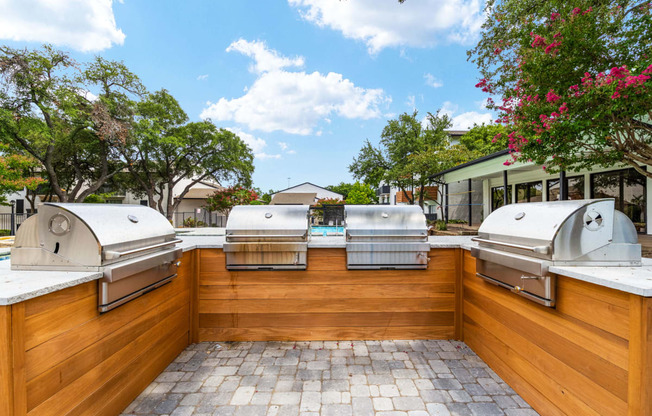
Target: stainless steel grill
x: 519, y: 242
x: 386, y: 237
x: 271, y: 237
x: 133, y: 245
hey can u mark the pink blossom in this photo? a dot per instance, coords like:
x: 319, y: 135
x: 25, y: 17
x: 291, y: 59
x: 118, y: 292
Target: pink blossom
x: 554, y: 16
x: 538, y: 41
x: 577, y: 11
x: 589, y: 10
x: 551, y: 97
x: 619, y: 72
x: 552, y: 47
x: 563, y: 108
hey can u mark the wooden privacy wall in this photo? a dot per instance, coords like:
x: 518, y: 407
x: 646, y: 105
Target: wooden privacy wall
x: 68, y: 359
x: 589, y: 356
x: 327, y: 301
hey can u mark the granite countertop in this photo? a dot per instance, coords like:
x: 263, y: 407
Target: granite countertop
x: 17, y: 286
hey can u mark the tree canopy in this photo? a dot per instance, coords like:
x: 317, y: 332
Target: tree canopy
x: 164, y: 149
x: 573, y: 80
x: 485, y: 139
x: 79, y: 141
x: 225, y: 199
x: 360, y: 194
x: 410, y: 151
x: 47, y: 112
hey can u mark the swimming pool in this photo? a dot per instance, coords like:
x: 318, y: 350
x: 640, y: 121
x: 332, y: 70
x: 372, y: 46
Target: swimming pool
x: 326, y: 230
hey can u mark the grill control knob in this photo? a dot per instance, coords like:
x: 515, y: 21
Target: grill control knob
x: 519, y: 216
x: 517, y: 289
x: 132, y: 218
x: 268, y: 215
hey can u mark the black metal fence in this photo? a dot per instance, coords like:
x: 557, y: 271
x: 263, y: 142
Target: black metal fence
x: 5, y: 221
x: 202, y: 219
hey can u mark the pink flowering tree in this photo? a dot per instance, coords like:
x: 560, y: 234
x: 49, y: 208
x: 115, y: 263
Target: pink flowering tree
x: 571, y: 80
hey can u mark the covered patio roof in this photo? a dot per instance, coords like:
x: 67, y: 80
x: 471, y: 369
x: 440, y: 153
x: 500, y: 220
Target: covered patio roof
x: 490, y: 166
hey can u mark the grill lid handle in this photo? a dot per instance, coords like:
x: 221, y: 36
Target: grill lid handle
x: 534, y: 249
x: 110, y: 255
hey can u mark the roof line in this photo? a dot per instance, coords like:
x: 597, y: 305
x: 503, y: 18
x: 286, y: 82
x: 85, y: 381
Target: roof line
x: 471, y: 163
x: 308, y: 183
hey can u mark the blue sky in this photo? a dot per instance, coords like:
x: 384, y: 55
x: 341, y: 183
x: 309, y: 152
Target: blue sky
x: 303, y: 82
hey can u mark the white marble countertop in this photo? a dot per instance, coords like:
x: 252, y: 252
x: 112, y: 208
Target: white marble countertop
x: 636, y: 280
x: 17, y: 286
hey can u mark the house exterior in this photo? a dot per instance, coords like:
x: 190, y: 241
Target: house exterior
x: 488, y: 178
x: 309, y: 188
x: 192, y: 204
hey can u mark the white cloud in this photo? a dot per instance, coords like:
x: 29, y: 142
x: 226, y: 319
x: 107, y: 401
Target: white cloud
x: 202, y: 77
x: 294, y: 102
x: 265, y: 59
x: 283, y: 145
x: 432, y: 81
x: 87, y: 26
x: 255, y: 143
x: 465, y: 120
x: 381, y: 24
x: 411, y: 102
x: 264, y: 156
x: 87, y: 94
x: 291, y: 152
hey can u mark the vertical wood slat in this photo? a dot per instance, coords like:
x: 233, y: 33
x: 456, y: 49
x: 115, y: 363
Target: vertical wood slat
x: 6, y: 363
x: 194, y: 259
x: 640, y: 356
x: 18, y: 341
x: 459, y: 295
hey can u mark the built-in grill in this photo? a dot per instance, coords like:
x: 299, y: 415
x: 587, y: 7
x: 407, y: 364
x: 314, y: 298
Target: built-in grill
x: 267, y: 237
x: 519, y: 242
x: 133, y: 245
x: 386, y: 237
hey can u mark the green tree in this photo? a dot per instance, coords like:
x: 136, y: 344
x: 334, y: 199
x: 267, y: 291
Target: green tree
x: 165, y: 149
x: 399, y: 159
x: 360, y: 194
x: 342, y: 188
x: 485, y: 139
x: 14, y: 175
x: 574, y: 79
x: 46, y: 112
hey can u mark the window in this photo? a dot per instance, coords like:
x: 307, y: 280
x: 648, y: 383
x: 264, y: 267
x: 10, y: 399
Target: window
x: 497, y: 199
x: 575, y: 186
x: 529, y: 192
x: 628, y: 188
x: 144, y: 202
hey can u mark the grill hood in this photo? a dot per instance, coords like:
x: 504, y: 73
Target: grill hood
x: 133, y: 245
x: 518, y: 243
x: 267, y: 237
x: 386, y: 237
x: 581, y: 232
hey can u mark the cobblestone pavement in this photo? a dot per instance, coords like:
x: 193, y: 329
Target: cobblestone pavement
x: 329, y: 378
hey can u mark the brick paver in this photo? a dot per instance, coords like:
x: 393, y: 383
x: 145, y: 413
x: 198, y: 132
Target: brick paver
x: 409, y: 378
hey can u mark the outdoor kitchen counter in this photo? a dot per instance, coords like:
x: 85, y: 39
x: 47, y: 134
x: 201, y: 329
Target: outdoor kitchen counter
x: 17, y: 286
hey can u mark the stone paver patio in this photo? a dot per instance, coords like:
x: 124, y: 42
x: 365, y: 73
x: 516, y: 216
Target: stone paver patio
x: 330, y: 378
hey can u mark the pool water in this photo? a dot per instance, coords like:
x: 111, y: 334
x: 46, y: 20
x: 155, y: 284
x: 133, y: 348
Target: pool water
x: 325, y: 230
